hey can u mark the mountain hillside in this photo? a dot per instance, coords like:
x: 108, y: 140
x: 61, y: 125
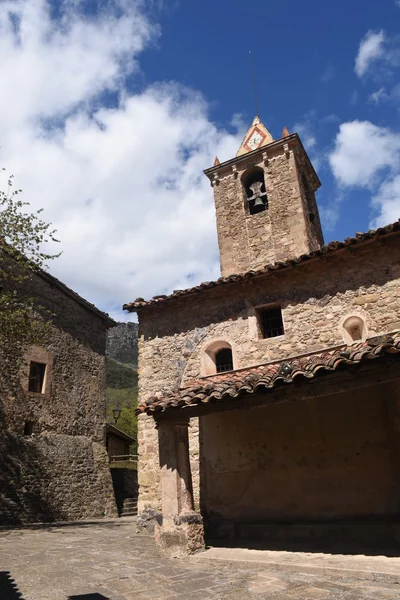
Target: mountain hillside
x: 122, y: 343
x: 121, y: 376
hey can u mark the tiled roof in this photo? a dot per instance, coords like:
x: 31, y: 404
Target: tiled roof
x: 225, y: 386
x: 359, y: 238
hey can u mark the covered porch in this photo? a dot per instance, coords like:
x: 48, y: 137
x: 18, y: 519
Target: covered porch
x: 302, y: 452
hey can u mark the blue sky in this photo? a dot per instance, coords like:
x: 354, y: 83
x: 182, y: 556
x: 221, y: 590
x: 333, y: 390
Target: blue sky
x: 113, y: 109
x: 303, y: 56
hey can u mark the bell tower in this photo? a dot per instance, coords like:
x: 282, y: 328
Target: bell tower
x: 265, y: 202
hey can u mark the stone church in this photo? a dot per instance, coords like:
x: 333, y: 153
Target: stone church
x: 269, y: 405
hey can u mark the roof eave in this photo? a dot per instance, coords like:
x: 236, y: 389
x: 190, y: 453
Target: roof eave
x: 284, y: 370
x: 110, y: 428
x: 326, y: 250
x: 75, y: 296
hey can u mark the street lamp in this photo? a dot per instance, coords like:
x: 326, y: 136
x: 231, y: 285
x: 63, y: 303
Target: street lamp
x: 116, y: 414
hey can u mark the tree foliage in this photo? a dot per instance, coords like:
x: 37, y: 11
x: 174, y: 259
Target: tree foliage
x: 23, y: 238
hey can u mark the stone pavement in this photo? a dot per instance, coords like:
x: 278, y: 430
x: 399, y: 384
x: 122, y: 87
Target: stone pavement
x: 106, y: 560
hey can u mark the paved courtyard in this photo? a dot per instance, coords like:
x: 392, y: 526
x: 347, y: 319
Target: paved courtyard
x: 107, y: 561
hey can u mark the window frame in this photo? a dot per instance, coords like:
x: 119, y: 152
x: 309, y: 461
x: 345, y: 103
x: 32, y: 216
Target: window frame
x: 260, y: 321
x: 32, y: 378
x: 221, y: 368
x: 208, y: 357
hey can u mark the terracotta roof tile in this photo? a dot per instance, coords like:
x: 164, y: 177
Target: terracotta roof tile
x: 140, y: 303
x: 225, y: 386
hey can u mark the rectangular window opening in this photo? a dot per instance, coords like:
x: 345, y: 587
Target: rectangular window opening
x: 28, y: 427
x: 37, y: 372
x: 271, y: 322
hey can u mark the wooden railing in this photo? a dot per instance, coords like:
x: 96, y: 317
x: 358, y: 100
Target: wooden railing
x: 124, y: 457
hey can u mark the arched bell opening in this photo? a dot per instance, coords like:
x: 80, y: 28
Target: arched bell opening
x: 253, y: 182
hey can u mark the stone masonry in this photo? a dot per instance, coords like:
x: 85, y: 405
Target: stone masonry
x: 314, y: 307
x: 59, y: 471
x: 317, y: 290
x: 290, y: 227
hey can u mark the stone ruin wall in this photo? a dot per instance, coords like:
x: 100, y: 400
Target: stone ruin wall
x: 316, y: 298
x: 61, y: 472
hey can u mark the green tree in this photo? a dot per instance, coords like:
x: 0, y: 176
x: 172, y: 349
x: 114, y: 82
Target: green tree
x: 23, y: 238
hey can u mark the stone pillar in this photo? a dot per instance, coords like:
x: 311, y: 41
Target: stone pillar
x: 179, y: 530
x: 149, y: 501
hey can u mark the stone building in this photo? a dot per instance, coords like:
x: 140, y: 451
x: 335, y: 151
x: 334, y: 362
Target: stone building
x: 270, y: 399
x: 53, y: 459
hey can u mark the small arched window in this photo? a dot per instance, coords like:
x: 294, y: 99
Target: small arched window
x: 254, y: 187
x: 354, y: 329
x: 224, y: 360
x: 218, y: 358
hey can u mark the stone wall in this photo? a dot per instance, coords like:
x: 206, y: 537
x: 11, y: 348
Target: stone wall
x: 308, y: 187
x: 284, y: 230
x: 61, y: 471
x: 325, y: 458
x: 316, y: 297
x: 53, y: 477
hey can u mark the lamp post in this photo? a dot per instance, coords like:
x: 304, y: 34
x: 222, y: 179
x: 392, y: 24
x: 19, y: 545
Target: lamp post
x: 116, y: 414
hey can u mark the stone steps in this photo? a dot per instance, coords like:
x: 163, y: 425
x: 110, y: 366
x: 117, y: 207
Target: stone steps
x: 129, y: 508
x: 383, y: 568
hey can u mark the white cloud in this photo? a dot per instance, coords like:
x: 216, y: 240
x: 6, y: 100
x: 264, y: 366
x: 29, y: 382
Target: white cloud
x: 367, y: 156
x: 370, y: 49
x: 378, y: 58
x: 305, y: 131
x: 50, y: 66
x: 378, y: 96
x: 386, y: 202
x: 361, y: 151
x: 382, y: 96
x: 123, y: 184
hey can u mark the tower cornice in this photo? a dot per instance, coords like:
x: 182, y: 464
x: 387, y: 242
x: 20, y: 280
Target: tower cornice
x: 291, y: 140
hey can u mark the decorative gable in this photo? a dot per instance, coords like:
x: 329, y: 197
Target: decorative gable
x: 256, y: 137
